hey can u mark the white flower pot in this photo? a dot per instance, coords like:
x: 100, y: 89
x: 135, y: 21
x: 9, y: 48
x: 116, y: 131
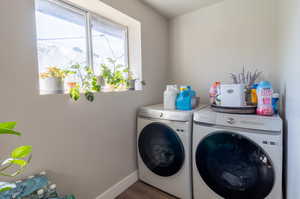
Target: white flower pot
x: 52, y: 86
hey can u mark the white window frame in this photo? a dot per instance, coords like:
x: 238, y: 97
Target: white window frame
x: 88, y: 26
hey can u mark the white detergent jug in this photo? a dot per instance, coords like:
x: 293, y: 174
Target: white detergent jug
x: 170, y: 96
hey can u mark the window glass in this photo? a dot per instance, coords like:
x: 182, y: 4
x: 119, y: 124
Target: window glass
x: 109, y: 44
x: 61, y: 36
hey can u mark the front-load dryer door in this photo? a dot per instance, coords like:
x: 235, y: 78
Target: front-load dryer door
x: 161, y: 149
x: 234, y: 167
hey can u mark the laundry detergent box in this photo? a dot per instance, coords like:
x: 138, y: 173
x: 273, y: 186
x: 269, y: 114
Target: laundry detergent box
x: 232, y: 95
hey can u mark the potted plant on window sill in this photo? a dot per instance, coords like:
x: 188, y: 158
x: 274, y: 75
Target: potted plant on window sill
x: 52, y: 81
x: 115, y: 77
x: 89, y: 83
x: 133, y: 82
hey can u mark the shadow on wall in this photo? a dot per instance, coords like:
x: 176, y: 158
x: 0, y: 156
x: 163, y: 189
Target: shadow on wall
x: 205, y: 3
x: 285, y: 141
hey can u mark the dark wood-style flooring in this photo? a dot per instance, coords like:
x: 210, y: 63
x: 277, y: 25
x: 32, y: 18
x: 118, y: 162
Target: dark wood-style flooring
x: 142, y: 191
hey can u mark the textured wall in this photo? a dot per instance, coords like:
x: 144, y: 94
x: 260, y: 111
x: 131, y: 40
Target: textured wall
x: 211, y: 42
x: 289, y: 65
x: 86, y: 148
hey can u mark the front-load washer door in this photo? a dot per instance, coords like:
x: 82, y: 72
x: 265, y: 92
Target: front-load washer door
x: 234, y: 167
x: 161, y: 149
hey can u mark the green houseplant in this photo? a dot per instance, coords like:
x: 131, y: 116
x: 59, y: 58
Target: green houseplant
x: 89, y: 83
x: 19, y: 157
x: 115, y: 76
x: 52, y: 81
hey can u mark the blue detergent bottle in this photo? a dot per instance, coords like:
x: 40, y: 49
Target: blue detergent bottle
x: 184, y: 99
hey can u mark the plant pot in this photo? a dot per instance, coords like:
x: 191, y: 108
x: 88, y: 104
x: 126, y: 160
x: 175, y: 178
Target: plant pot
x: 121, y: 88
x: 107, y: 88
x: 112, y: 88
x: 132, y: 84
x: 71, y: 85
x: 52, y: 86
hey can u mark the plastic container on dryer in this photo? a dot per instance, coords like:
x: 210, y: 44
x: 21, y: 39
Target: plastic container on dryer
x: 265, y: 95
x: 275, y: 101
x: 170, y: 96
x: 184, y: 99
x: 214, y: 93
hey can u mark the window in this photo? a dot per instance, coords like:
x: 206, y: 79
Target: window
x: 73, y: 42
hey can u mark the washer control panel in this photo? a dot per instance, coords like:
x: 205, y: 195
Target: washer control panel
x: 182, y: 116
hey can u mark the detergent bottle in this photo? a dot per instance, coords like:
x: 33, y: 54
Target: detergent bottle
x: 170, y: 96
x: 184, y: 99
x: 264, y: 95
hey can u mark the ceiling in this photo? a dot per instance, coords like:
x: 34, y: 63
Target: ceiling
x: 173, y: 8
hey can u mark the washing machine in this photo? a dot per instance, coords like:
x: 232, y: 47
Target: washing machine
x: 237, y: 156
x: 164, y: 149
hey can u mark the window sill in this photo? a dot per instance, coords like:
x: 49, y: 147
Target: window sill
x: 104, y: 92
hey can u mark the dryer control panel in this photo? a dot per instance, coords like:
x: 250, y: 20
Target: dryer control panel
x: 255, y: 122
x: 250, y: 122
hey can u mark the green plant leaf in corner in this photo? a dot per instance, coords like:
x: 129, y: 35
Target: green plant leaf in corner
x: 4, y: 186
x: 21, y: 163
x: 5, y: 189
x: 21, y: 152
x: 9, y: 131
x: 8, y: 125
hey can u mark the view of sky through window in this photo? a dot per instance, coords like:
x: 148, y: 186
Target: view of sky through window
x: 62, y: 38
x: 108, y: 42
x: 61, y: 42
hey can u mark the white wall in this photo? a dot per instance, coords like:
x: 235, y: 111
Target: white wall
x: 289, y: 64
x: 85, y: 147
x: 213, y: 41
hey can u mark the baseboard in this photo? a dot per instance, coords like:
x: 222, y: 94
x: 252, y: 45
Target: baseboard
x: 120, y: 187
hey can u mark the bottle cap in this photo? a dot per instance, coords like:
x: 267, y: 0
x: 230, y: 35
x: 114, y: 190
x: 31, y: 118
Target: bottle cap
x: 53, y: 186
x: 40, y: 192
x: 43, y: 173
x: 170, y: 87
x: 276, y: 95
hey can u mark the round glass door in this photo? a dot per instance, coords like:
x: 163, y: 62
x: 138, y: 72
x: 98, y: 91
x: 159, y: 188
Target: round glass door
x: 161, y: 149
x: 234, y: 167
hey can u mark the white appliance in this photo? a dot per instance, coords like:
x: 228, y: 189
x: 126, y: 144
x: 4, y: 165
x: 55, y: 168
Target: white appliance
x: 232, y: 95
x: 164, y: 149
x: 237, y: 156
